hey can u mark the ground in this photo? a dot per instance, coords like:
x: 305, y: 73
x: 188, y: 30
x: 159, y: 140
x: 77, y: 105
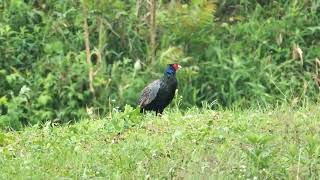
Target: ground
x: 280, y: 143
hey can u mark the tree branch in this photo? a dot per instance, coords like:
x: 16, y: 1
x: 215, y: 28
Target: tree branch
x: 87, y: 45
x: 152, y: 5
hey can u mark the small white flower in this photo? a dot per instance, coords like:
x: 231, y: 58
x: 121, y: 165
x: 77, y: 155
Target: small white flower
x: 137, y: 65
x: 243, y: 166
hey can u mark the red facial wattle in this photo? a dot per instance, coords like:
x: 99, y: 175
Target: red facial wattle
x: 176, y: 66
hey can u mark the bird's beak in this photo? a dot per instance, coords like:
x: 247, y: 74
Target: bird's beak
x: 179, y: 66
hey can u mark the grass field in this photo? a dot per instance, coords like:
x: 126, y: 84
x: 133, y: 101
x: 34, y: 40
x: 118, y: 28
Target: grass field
x: 196, y: 144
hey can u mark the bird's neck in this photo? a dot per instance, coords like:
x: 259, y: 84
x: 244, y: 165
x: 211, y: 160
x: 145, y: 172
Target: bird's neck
x: 170, y: 72
x: 169, y: 75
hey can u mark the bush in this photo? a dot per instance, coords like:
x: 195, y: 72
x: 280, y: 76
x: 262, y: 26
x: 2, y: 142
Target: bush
x: 239, y: 53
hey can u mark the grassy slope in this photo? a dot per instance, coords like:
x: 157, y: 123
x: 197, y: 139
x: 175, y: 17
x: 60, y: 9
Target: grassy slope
x: 200, y: 143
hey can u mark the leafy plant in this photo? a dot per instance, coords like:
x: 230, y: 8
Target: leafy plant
x: 236, y: 53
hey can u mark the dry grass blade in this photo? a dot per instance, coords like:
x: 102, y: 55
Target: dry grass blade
x: 297, y: 53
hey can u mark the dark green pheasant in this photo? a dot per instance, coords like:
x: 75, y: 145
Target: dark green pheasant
x: 159, y: 94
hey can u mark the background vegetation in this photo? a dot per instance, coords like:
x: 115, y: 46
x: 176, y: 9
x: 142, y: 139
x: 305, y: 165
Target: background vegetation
x: 237, y: 52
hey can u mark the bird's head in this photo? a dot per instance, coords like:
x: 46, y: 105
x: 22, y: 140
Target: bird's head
x: 172, y: 68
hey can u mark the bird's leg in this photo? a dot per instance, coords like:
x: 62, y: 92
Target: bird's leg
x: 159, y: 112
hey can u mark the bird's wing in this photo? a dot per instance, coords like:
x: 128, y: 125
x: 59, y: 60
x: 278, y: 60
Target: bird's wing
x: 149, y: 93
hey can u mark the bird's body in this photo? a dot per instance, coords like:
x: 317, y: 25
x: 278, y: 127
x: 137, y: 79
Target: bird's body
x: 159, y: 94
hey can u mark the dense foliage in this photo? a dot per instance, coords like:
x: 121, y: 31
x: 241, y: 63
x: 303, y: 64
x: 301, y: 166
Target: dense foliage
x: 238, y: 52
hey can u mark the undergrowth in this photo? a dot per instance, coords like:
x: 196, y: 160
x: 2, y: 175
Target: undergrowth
x: 236, y: 52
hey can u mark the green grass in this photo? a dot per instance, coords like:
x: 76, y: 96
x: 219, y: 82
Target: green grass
x: 196, y: 144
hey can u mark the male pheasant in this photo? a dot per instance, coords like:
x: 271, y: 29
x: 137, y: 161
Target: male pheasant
x: 159, y: 94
